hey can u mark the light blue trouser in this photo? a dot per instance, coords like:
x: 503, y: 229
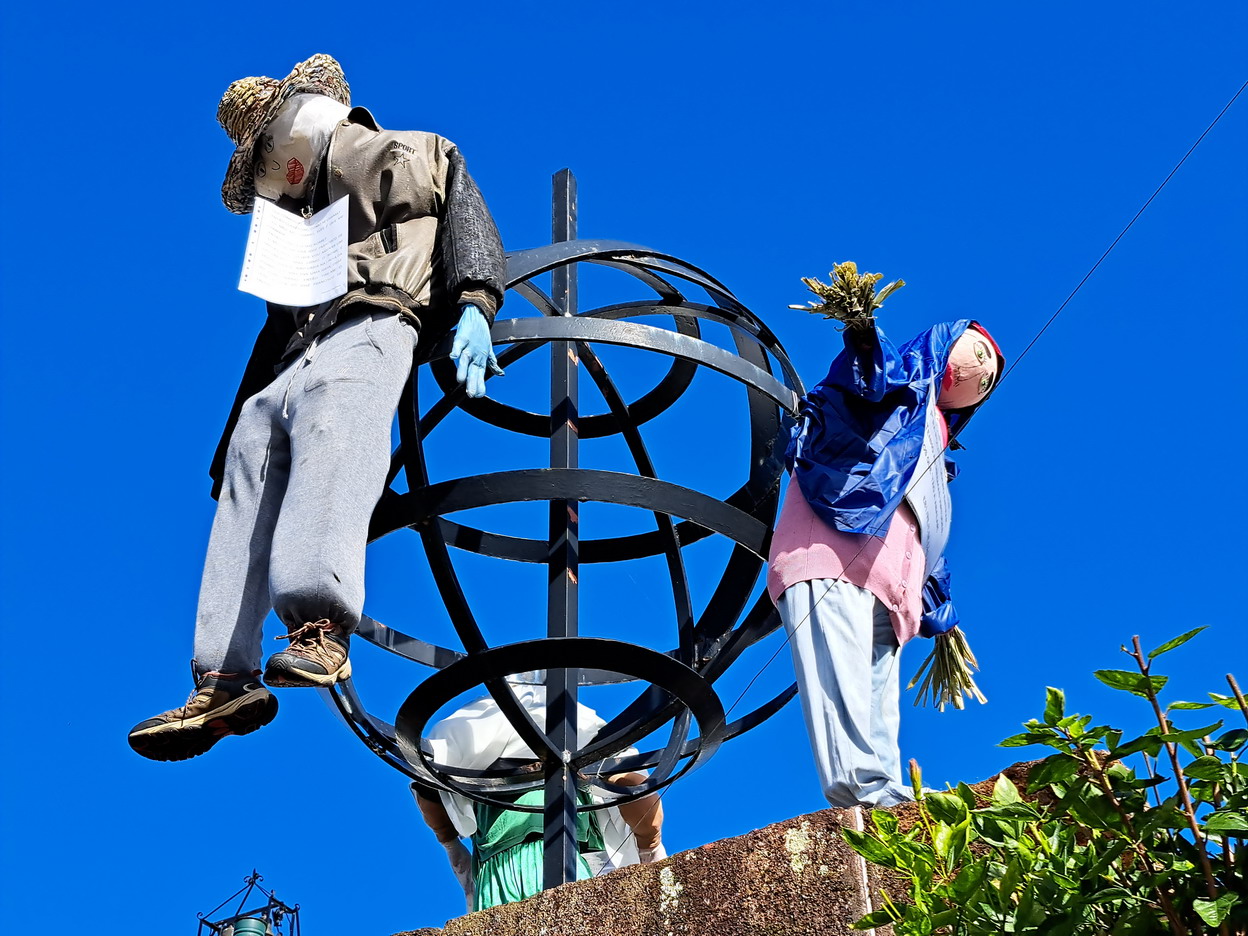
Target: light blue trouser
x: 306, y: 465
x: 845, y: 656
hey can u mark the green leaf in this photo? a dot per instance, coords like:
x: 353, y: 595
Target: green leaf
x: 1137, y: 920
x: 918, y: 858
x: 968, y: 881
x: 1225, y: 701
x: 967, y: 795
x: 1125, y: 779
x: 1091, y: 807
x: 946, y: 807
x: 1053, y: 769
x: 1028, y: 738
x: 884, y: 822
x: 1011, y: 879
x: 1010, y: 812
x: 1065, y: 882
x: 1025, y: 854
x: 881, y: 917
x: 1110, y: 894
x: 1176, y: 642
x: 1112, y: 851
x: 1227, y: 820
x: 870, y: 848
x: 1204, y: 768
x: 1149, y: 742
x: 1120, y: 773
x: 1004, y: 791
x: 1054, y: 705
x: 1214, y: 912
x: 1166, y: 816
x: 1066, y: 925
x: 1193, y: 739
x: 1204, y: 791
x: 917, y: 922
x: 1188, y: 706
x: 1118, y: 679
x: 1135, y: 683
x: 1026, y: 914
x: 1075, y: 725
x: 957, y: 844
x: 942, y: 835
x: 1233, y: 740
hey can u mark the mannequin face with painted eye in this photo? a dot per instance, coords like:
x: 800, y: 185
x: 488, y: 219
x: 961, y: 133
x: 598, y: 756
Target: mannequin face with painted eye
x: 971, y: 371
x: 292, y: 142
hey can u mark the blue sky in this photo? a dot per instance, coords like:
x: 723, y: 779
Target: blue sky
x: 986, y: 153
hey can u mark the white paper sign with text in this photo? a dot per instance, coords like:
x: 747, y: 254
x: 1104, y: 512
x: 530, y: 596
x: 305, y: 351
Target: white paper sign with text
x: 928, y: 491
x: 293, y: 260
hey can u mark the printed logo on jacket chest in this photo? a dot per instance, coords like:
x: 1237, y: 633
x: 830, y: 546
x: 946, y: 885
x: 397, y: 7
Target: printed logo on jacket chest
x: 400, y: 153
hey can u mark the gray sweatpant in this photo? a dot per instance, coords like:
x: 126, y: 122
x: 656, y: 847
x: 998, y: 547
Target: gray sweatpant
x: 305, y: 467
x: 845, y: 659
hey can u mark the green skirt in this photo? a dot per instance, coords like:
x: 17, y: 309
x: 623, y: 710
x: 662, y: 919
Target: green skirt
x: 508, y: 855
x: 516, y: 873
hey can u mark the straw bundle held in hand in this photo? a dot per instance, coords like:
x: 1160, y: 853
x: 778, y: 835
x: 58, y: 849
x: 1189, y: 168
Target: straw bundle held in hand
x: 850, y: 296
x: 948, y: 668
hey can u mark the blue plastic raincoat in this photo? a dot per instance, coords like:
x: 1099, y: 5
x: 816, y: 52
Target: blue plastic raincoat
x: 859, y: 434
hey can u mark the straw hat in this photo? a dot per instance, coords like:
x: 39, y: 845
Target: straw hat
x: 250, y: 103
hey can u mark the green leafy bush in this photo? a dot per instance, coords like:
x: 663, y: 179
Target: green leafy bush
x: 1094, y: 845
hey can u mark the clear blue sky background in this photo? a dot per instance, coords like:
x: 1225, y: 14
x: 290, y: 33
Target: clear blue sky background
x: 986, y: 152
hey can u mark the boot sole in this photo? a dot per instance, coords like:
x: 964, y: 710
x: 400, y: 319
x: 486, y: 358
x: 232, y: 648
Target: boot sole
x: 281, y: 674
x: 178, y: 741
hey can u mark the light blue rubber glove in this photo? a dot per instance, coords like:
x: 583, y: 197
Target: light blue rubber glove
x: 473, y: 352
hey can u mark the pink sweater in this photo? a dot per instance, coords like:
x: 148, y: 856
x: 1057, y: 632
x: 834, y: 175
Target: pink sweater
x: 805, y: 548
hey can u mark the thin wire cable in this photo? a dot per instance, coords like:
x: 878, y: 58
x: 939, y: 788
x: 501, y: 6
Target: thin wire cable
x: 940, y: 456
x: 1123, y: 232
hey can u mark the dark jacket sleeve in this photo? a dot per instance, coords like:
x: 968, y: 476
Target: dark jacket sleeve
x: 265, y: 356
x: 473, y: 262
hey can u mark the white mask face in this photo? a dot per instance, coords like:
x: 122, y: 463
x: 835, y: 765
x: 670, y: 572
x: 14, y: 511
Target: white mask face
x: 292, y: 143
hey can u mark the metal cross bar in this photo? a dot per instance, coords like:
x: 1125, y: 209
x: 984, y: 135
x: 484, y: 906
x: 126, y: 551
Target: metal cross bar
x: 562, y: 607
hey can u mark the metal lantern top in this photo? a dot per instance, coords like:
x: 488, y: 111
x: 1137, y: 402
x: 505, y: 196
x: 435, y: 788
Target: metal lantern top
x: 271, y: 918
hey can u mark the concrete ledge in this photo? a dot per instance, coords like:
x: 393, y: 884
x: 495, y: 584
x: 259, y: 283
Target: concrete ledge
x: 794, y: 878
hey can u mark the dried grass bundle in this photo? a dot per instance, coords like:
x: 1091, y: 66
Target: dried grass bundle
x: 948, y: 669
x: 849, y: 297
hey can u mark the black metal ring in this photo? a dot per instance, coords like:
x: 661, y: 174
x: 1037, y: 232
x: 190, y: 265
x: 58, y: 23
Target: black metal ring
x: 745, y: 517
x: 694, y: 693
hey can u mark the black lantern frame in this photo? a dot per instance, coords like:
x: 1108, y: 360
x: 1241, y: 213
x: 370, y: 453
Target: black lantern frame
x: 681, y: 679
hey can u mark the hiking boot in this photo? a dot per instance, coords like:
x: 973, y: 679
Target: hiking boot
x: 317, y: 656
x: 221, y: 704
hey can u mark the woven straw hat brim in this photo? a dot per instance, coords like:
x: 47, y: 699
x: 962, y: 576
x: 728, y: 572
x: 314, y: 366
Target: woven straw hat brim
x: 238, y: 190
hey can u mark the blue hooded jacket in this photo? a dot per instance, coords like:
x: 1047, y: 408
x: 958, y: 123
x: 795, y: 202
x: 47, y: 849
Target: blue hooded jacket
x: 859, y: 434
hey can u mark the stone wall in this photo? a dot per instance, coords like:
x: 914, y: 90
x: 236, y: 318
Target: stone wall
x: 794, y: 878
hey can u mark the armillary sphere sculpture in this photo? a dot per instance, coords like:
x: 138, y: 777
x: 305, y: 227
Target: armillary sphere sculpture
x: 679, y: 681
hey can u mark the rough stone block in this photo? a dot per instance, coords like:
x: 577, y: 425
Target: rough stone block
x: 794, y: 878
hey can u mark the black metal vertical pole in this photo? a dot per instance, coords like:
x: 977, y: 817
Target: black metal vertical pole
x: 562, y: 559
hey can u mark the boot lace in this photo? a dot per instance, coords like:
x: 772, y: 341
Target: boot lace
x: 308, y: 635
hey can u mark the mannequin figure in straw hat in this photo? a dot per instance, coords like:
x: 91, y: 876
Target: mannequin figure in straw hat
x: 304, y: 457
x: 506, y: 861
x: 857, y: 562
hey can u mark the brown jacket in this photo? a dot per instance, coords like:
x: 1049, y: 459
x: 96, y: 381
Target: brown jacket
x: 421, y: 244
